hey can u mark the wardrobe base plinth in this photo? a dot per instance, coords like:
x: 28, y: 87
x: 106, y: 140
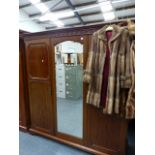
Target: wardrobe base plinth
x: 73, y: 144
x: 23, y: 128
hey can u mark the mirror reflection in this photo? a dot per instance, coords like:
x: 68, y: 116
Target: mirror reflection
x: 69, y: 87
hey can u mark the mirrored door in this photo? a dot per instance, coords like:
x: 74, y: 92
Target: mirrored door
x: 69, y: 88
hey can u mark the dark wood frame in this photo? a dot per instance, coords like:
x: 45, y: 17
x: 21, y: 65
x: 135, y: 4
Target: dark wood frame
x: 86, y: 144
x: 24, y: 125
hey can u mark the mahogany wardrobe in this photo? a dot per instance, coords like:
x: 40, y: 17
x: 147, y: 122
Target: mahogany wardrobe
x: 41, y: 66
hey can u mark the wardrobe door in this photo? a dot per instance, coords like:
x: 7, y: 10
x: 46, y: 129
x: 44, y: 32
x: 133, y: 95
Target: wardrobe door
x: 68, y: 87
x: 107, y: 133
x: 37, y: 59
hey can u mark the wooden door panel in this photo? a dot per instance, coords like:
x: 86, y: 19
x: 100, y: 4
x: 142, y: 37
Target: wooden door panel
x: 40, y: 106
x: 37, y: 60
x: 107, y: 133
x: 104, y: 133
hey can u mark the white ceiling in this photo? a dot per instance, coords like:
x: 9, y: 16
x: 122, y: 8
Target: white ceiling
x: 88, y: 10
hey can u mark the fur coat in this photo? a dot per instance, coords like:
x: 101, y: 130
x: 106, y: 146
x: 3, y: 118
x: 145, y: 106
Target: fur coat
x: 130, y: 104
x: 119, y: 72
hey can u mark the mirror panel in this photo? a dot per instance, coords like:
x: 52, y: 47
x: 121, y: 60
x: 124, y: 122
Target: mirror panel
x: 69, y: 87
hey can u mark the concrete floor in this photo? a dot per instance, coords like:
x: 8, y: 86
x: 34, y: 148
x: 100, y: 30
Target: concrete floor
x: 36, y: 145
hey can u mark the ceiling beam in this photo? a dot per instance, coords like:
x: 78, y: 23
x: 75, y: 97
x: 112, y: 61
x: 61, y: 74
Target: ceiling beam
x: 126, y: 17
x: 49, y: 10
x: 100, y: 21
x: 126, y: 7
x: 76, y: 13
x: 39, y: 14
x: 30, y: 4
x: 54, y: 6
x: 89, y: 14
x: 48, y: 21
x: 65, y: 8
x: 77, y: 6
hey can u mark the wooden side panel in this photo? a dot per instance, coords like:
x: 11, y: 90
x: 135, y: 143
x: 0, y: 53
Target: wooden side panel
x: 107, y: 133
x: 38, y: 63
x: 40, y: 107
x: 21, y: 94
x: 22, y: 99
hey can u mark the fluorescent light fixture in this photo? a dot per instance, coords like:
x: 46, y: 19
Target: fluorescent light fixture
x: 119, y: 1
x: 63, y: 14
x: 48, y: 16
x: 34, y: 1
x: 58, y: 23
x: 43, y: 8
x: 106, y: 6
x: 53, y: 19
x: 56, y: 16
x: 109, y: 16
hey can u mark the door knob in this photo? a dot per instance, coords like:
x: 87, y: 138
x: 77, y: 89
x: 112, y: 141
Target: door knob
x: 42, y: 60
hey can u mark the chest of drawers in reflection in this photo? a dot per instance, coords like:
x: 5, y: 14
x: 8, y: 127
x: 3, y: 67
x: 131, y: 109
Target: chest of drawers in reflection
x: 69, y: 81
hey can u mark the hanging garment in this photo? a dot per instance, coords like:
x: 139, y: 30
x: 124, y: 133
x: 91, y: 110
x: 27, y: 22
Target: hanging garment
x: 130, y: 105
x: 105, y: 72
x: 123, y: 77
x: 120, y: 76
x: 93, y: 74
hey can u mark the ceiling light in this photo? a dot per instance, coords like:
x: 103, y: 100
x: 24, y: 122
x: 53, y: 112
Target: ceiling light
x: 56, y: 16
x: 106, y: 6
x: 119, y: 1
x: 49, y: 16
x: 43, y: 8
x: 58, y: 23
x: 109, y: 16
x: 63, y: 14
x: 34, y: 1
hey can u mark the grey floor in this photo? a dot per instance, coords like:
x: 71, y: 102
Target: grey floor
x: 70, y: 116
x: 36, y: 145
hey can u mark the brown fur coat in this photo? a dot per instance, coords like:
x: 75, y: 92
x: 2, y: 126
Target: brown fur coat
x: 119, y: 73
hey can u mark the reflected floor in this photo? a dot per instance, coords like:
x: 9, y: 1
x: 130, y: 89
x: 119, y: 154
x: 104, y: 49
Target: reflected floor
x: 70, y: 116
